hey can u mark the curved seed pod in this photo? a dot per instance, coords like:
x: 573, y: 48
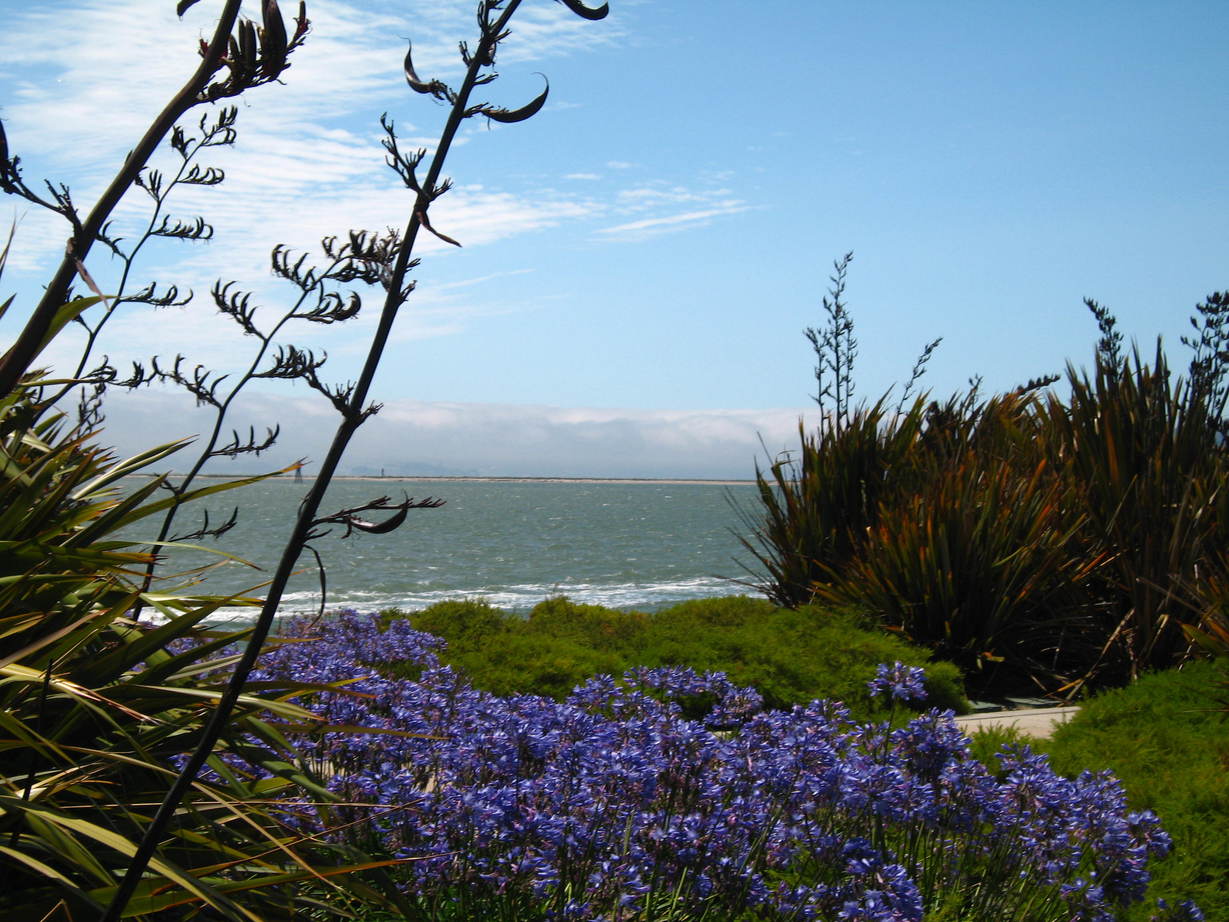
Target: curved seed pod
x: 351, y: 309
x: 411, y: 77
x: 301, y: 21
x: 233, y: 57
x: 586, y: 12
x: 247, y: 47
x: 273, y: 39
x: 530, y: 109
x: 183, y: 6
x: 379, y: 528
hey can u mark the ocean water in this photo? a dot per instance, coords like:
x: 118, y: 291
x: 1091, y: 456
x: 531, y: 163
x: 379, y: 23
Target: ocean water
x: 637, y: 545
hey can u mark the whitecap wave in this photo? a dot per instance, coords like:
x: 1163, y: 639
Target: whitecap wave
x: 518, y: 598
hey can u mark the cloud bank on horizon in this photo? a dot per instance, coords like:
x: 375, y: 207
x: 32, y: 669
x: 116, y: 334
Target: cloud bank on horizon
x: 659, y: 235
x: 414, y: 438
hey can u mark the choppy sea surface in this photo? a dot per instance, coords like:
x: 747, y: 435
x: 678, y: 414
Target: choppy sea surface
x: 642, y: 545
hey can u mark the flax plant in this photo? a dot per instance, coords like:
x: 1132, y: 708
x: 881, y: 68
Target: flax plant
x: 1041, y: 541
x: 1149, y: 465
x: 97, y: 708
x: 214, y: 132
x: 1205, y: 597
x: 246, y: 57
x: 816, y: 503
x: 981, y: 561
x: 351, y: 402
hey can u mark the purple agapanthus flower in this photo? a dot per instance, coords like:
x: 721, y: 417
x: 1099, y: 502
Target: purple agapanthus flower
x: 616, y: 804
x: 899, y: 682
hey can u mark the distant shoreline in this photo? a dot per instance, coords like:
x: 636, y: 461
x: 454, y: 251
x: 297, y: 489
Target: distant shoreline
x: 443, y: 478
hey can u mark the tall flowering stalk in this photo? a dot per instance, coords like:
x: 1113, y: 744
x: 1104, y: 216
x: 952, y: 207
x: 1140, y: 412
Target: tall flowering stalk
x: 351, y: 402
x: 258, y: 56
x: 613, y: 805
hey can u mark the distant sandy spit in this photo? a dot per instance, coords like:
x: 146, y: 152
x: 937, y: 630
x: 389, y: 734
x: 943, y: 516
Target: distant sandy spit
x: 668, y: 481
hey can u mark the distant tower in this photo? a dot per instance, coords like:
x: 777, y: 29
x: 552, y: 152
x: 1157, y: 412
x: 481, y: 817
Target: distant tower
x: 298, y: 475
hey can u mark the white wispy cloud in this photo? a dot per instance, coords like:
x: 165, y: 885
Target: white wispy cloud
x: 296, y: 175
x: 673, y: 222
x: 74, y: 111
x: 303, y: 167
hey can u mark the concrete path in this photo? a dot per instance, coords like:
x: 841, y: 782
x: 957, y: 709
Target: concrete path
x: 1038, y: 722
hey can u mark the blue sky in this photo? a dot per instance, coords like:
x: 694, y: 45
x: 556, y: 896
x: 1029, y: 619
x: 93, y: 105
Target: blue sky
x: 640, y: 258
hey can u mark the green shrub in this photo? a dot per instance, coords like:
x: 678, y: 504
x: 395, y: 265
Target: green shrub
x: 987, y: 742
x: 790, y: 657
x: 467, y: 624
x: 1167, y: 738
x: 536, y: 664
x: 723, y: 612
x: 592, y: 625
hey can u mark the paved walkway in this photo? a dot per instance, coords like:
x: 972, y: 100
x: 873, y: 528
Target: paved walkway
x: 1038, y: 722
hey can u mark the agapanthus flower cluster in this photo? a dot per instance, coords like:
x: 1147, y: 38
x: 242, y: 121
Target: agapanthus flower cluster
x: 672, y: 793
x: 898, y: 682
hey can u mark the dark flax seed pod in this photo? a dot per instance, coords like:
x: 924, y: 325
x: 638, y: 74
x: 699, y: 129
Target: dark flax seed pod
x: 530, y: 109
x: 594, y: 13
x: 273, y: 39
x: 412, y: 78
x: 247, y: 49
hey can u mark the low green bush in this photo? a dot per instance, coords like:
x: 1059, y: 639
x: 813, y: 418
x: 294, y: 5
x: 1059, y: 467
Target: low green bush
x: 592, y: 625
x: 467, y: 624
x: 1167, y: 738
x: 790, y: 657
x: 528, y: 663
